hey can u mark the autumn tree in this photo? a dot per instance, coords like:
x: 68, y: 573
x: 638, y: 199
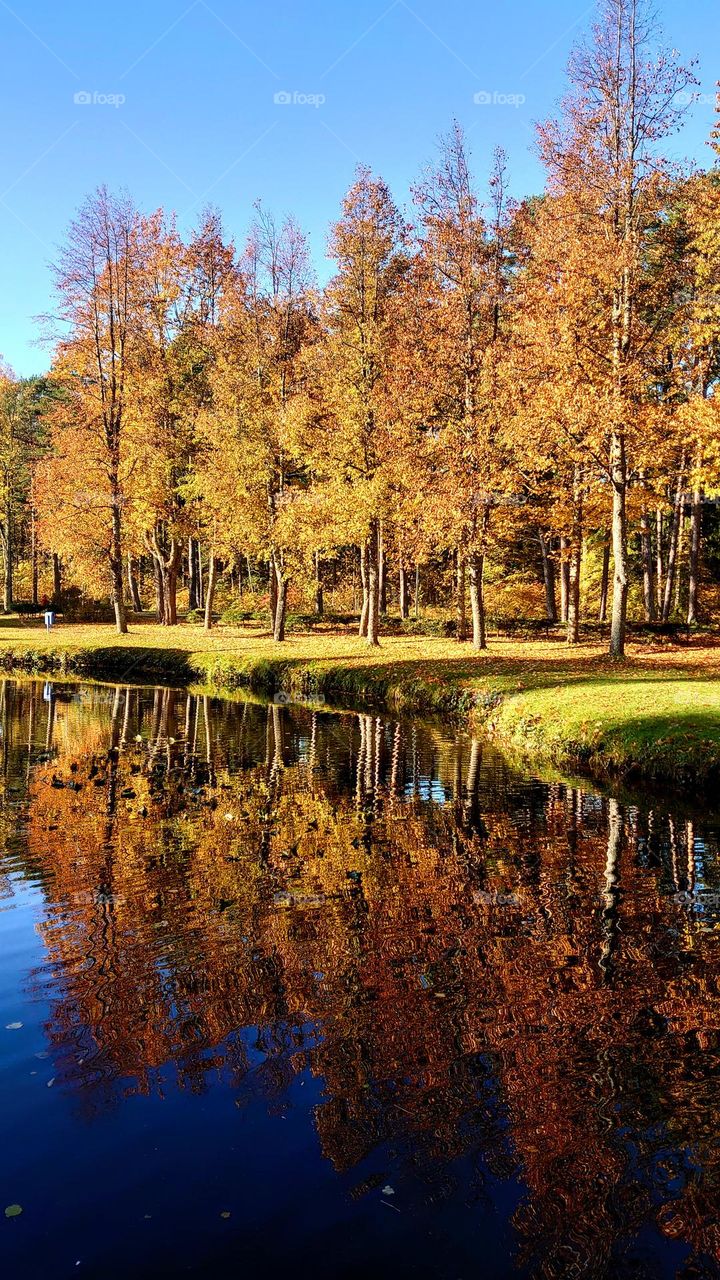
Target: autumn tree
x: 100, y: 295
x: 352, y: 427
x: 602, y: 159
x: 465, y: 255
x: 249, y: 471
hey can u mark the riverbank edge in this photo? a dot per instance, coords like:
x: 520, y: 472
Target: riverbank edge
x: 520, y: 721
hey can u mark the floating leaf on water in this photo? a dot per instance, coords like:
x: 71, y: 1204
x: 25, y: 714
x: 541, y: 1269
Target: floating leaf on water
x: 225, y: 1213
x: 13, y: 1026
x: 388, y: 1190
x: 13, y: 1211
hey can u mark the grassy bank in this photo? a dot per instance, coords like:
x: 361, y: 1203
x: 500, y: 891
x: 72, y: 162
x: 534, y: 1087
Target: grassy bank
x: 656, y: 715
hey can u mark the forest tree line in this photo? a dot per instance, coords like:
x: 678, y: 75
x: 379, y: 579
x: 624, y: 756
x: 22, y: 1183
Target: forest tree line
x: 483, y: 385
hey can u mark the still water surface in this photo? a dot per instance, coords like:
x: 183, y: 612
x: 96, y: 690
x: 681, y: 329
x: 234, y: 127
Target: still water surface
x: 285, y: 992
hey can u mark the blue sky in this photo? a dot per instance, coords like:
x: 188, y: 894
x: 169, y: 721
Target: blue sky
x: 372, y: 81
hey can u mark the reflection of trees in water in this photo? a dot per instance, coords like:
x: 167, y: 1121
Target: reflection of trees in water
x: 522, y: 973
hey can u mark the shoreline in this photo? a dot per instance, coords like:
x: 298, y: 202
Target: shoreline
x: 655, y: 717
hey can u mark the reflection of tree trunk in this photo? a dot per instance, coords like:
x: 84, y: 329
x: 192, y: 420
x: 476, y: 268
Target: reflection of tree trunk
x: 395, y: 765
x: 31, y: 730
x: 611, y: 893
x: 471, y: 806
x: 363, y: 778
x: 312, y: 749
x: 690, y: 836
x: 674, y: 865
x: 126, y: 719
x: 50, y: 729
x: 208, y: 738
x: 278, y: 738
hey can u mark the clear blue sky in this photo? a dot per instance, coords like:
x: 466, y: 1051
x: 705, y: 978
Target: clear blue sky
x: 199, y: 122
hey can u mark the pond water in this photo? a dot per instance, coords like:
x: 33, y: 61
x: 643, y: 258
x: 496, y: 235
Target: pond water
x: 284, y: 991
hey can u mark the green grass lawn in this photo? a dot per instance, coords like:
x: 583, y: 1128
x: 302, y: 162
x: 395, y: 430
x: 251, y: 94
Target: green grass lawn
x: 657, y: 713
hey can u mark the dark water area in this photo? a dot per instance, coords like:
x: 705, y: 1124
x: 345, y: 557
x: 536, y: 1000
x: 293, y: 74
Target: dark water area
x: 286, y: 992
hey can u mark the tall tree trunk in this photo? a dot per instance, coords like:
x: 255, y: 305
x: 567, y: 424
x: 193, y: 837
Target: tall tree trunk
x: 573, y: 618
x: 133, y: 585
x: 673, y: 542
x: 170, y: 577
x: 548, y: 578
x: 159, y: 594
x: 116, y: 562
x: 618, y: 476
x: 648, y: 566
x: 57, y: 581
x: 564, y: 578
x: 604, y: 582
x: 476, y: 569
x: 272, y: 592
x: 33, y: 556
x: 319, y: 599
x: 659, y: 560
x: 193, y: 594
x: 694, y: 553
x: 200, y: 584
x: 365, y: 609
x: 8, y: 565
x: 281, y: 606
x: 403, y: 590
x: 373, y: 583
x: 282, y: 582
x: 417, y: 590
x: 678, y: 566
x: 460, y: 596
x: 210, y: 593
x: 167, y: 558
x: 382, y: 572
